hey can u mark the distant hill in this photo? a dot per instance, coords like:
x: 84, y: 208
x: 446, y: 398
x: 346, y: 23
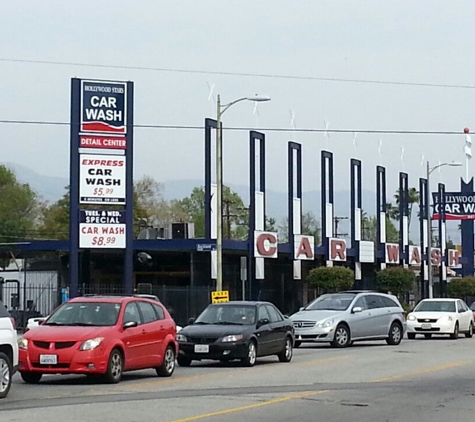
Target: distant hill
x: 48, y: 187
x: 53, y: 188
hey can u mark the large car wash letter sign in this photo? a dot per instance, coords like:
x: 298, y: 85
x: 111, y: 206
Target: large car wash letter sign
x: 103, y: 107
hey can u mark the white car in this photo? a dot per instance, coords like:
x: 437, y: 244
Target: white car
x: 440, y: 316
x: 34, y: 322
x: 8, y: 350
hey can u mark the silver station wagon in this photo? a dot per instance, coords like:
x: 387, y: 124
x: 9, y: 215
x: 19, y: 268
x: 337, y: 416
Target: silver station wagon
x: 345, y: 317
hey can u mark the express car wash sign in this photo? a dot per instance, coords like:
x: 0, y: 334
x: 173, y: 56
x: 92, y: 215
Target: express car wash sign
x: 103, y: 107
x: 102, y: 179
x: 102, y: 229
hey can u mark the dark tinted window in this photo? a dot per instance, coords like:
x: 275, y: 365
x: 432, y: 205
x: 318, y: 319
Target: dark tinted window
x: 375, y: 302
x: 148, y: 314
x: 274, y: 314
x: 435, y: 306
x: 331, y: 302
x: 131, y: 313
x: 3, y: 310
x: 262, y: 313
x: 389, y: 303
x: 159, y: 311
x: 361, y: 303
x: 228, y: 314
x: 85, y: 313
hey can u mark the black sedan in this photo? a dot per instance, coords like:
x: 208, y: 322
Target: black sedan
x: 236, y: 330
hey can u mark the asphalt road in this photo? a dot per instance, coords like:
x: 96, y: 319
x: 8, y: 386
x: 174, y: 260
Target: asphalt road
x: 419, y: 380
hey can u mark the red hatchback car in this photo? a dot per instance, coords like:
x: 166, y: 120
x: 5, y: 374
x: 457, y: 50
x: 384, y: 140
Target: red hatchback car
x: 100, y: 335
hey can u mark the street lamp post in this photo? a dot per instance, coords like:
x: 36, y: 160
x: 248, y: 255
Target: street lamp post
x: 429, y: 229
x: 221, y: 108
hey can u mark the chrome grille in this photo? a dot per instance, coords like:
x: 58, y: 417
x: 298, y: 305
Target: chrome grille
x: 304, y: 324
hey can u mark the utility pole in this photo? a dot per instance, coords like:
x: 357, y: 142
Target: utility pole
x: 336, y: 222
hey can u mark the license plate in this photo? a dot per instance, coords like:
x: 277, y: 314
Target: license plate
x: 201, y: 348
x: 426, y: 326
x: 48, y: 359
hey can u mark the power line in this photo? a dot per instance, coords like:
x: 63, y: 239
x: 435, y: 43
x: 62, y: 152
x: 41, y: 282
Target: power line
x: 244, y: 74
x: 270, y: 129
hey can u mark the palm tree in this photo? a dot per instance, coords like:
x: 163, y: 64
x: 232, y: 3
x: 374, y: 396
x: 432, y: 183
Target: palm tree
x: 413, y: 198
x: 392, y: 212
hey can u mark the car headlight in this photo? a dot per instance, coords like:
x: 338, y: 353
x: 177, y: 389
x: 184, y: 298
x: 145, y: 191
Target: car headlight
x: 181, y: 337
x: 411, y: 318
x: 23, y: 343
x: 325, y: 324
x: 92, y: 343
x: 447, y: 318
x: 232, y: 338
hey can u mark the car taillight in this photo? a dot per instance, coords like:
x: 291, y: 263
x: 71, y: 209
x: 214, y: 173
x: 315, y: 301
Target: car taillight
x: 13, y: 322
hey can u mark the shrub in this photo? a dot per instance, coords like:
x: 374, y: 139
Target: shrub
x: 461, y: 287
x: 331, y: 279
x: 397, y: 280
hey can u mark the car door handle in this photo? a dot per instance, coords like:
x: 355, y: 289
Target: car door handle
x: 162, y: 327
x: 144, y: 332
x: 369, y: 313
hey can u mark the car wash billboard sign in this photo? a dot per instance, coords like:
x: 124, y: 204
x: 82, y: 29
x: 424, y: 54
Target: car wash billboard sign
x: 458, y: 206
x: 102, y: 179
x: 103, y: 107
x: 103, y: 229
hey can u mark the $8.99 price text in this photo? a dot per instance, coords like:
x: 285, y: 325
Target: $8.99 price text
x: 103, y: 240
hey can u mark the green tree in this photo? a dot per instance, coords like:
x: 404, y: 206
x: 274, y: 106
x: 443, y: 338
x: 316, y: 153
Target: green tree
x: 310, y: 227
x: 54, y: 219
x: 330, y: 279
x: 393, y: 211
x: 461, y: 287
x: 150, y: 210
x: 235, y: 214
x: 19, y: 207
x: 397, y: 280
x: 369, y: 229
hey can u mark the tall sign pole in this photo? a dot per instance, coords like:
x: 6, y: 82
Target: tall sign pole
x: 101, y: 173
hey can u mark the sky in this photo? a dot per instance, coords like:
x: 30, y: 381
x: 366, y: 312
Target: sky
x: 426, y: 42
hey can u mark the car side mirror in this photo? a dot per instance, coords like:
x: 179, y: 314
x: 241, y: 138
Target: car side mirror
x: 191, y: 321
x: 130, y: 324
x: 262, y: 322
x: 357, y: 309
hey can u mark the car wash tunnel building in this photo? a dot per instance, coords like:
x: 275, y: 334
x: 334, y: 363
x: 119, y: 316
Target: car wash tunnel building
x: 102, y: 255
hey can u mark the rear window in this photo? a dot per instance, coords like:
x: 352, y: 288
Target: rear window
x: 3, y: 310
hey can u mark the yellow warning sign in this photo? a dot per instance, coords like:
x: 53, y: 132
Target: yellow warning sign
x: 220, y: 297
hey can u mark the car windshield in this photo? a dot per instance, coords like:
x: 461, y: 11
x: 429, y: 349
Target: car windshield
x: 331, y: 302
x: 85, y: 314
x: 228, y: 315
x: 435, y: 306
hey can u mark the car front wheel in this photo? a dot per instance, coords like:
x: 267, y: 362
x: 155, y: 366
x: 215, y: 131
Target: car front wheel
x: 250, y: 359
x: 31, y: 377
x: 342, y: 336
x: 183, y: 361
x: 286, y: 354
x: 455, y: 334
x: 115, y: 367
x: 395, y: 334
x: 469, y: 333
x: 5, y: 375
x: 168, y: 366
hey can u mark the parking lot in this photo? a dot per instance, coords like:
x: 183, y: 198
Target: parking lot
x: 418, y: 380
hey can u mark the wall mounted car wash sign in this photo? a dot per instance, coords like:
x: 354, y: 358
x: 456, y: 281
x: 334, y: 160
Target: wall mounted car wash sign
x: 103, y: 107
